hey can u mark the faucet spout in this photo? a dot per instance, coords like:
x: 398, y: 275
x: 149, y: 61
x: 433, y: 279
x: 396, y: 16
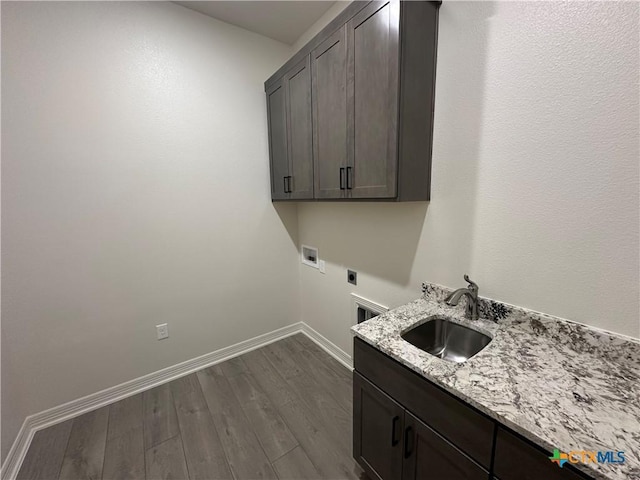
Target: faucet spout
x: 471, y: 292
x: 454, y: 297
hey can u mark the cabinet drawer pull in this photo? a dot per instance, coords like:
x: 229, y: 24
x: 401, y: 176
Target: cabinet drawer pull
x: 289, y: 184
x: 408, y: 438
x: 284, y: 180
x: 341, y: 178
x: 394, y: 424
x: 348, y: 178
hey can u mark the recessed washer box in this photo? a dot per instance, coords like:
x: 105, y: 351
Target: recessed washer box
x: 310, y: 256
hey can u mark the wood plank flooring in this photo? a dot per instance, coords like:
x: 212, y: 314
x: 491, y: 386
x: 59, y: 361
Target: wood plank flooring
x: 279, y: 412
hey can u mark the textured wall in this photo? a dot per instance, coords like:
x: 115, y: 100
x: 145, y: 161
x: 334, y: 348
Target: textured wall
x: 135, y: 187
x: 322, y: 22
x: 135, y: 191
x: 535, y: 175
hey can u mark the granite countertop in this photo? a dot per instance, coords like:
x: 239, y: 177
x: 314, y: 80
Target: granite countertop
x: 560, y: 384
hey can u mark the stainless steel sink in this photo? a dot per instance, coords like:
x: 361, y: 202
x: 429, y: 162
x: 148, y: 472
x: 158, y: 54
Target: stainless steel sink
x: 448, y: 340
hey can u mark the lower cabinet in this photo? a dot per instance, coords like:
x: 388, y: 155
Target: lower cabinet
x: 378, y: 430
x: 407, y: 428
x: 392, y: 444
x: 516, y: 459
x: 428, y: 456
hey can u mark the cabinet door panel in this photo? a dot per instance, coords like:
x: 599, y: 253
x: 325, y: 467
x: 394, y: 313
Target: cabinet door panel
x: 298, y: 86
x: 463, y: 426
x: 328, y: 76
x: 373, y: 64
x: 428, y: 456
x: 277, y: 124
x: 377, y: 431
x: 516, y: 459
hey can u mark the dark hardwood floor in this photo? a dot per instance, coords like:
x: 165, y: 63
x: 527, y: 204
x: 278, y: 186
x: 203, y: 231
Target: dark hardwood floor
x: 280, y: 412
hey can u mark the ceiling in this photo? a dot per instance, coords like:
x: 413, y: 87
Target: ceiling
x: 281, y: 20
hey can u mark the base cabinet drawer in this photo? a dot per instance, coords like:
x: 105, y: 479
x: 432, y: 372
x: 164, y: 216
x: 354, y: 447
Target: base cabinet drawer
x: 428, y: 456
x: 516, y: 459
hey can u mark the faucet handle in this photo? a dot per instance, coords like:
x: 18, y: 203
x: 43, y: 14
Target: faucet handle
x: 472, y: 285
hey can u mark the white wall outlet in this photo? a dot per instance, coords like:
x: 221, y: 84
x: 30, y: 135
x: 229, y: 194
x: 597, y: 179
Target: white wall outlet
x: 163, y: 331
x: 321, y: 266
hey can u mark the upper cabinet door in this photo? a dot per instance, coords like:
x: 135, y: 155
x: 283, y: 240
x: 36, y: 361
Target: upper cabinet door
x: 328, y: 79
x: 373, y: 69
x: 277, y: 124
x: 372, y: 76
x: 298, y: 96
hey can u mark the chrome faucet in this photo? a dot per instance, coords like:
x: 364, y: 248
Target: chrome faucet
x: 472, y: 298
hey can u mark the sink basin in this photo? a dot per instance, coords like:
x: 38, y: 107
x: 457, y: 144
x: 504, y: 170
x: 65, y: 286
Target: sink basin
x: 447, y: 340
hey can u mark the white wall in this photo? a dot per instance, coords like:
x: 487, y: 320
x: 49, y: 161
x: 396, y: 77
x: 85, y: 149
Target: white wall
x: 135, y: 191
x: 135, y: 187
x: 322, y: 22
x: 535, y: 175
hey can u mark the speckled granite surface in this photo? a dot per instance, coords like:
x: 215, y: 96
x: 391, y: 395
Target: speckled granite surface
x: 560, y: 384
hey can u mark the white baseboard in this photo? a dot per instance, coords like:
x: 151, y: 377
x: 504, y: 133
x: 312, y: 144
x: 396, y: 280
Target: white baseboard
x: 331, y: 348
x: 13, y: 462
x: 38, y: 421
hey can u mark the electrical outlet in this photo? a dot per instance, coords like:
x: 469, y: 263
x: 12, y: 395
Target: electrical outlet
x: 352, y: 277
x: 163, y: 331
x: 321, y: 266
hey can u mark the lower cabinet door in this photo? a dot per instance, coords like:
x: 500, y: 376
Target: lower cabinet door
x: 377, y: 431
x: 516, y: 459
x: 428, y: 456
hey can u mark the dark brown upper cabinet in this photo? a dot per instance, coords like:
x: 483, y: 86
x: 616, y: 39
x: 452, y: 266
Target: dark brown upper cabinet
x: 290, y: 135
x: 372, y: 84
x: 372, y: 96
x: 277, y: 123
x: 329, y: 84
